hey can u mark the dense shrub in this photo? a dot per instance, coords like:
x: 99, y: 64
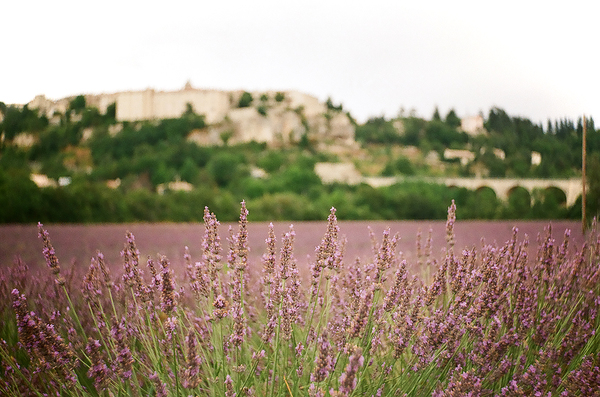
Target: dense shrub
x: 245, y: 100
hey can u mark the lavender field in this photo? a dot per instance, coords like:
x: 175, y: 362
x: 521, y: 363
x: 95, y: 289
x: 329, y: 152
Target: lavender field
x: 315, y: 309
x: 77, y: 244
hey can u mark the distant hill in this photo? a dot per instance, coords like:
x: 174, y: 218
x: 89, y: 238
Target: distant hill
x: 273, y: 117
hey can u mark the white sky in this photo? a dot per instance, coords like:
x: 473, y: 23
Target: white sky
x: 536, y: 59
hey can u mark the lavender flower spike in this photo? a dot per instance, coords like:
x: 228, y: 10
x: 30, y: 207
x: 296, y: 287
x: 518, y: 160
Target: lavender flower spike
x: 49, y: 254
x: 168, y: 296
x: 348, y: 378
x: 450, y: 226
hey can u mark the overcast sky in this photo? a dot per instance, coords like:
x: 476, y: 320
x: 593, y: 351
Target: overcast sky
x: 536, y: 59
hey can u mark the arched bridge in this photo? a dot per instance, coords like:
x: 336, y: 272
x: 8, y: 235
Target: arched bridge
x: 501, y: 186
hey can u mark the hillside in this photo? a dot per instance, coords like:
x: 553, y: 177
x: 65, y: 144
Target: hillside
x: 72, y: 161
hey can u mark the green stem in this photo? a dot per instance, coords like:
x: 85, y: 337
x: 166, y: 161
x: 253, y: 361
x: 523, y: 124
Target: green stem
x: 74, y: 313
x: 276, y: 358
x: 176, y: 370
x: 312, y: 313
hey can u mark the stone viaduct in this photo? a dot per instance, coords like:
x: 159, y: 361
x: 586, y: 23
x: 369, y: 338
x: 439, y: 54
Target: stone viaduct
x: 503, y: 187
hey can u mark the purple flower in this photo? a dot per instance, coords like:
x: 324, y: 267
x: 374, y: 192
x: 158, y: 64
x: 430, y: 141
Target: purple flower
x: 229, y: 387
x: 124, y: 360
x: 49, y: 254
x: 98, y: 370
x: 324, y: 362
x: 132, y: 275
x: 191, y: 377
x: 348, y: 377
x: 168, y: 297
x: 159, y: 386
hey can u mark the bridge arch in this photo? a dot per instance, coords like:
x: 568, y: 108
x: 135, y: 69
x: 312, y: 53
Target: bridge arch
x: 486, y: 190
x: 519, y: 203
x: 521, y: 194
x: 549, y: 196
x: 557, y: 194
x: 484, y: 202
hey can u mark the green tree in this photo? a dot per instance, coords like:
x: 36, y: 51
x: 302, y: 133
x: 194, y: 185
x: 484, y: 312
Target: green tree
x: 189, y: 170
x: 91, y: 117
x: 162, y: 174
x: 279, y: 97
x: 111, y: 112
x: 282, y: 206
x: 20, y: 198
x: 299, y: 179
x: 224, y: 167
x: 483, y: 204
x: 452, y: 119
x: 189, y: 110
x: 245, y: 100
x: 401, y: 165
x: 436, y: 131
x: 226, y: 136
x: 414, y: 131
x: 271, y: 161
x: 498, y: 121
x: 78, y: 103
x: 377, y: 130
x: 593, y: 183
x: 18, y: 120
x: 495, y: 165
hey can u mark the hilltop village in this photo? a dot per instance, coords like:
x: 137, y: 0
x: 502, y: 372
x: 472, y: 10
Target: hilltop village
x: 271, y: 117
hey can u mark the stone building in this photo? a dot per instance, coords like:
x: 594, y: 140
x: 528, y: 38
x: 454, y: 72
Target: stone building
x: 472, y: 125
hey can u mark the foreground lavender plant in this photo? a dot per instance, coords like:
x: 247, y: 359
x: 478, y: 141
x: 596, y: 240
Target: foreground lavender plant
x: 498, y: 321
x: 50, y: 254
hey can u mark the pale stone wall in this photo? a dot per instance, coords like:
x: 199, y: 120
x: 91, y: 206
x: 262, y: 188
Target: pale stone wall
x: 338, y: 172
x: 135, y: 105
x: 213, y: 104
x: 42, y: 180
x: 24, y: 139
x: 465, y: 156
